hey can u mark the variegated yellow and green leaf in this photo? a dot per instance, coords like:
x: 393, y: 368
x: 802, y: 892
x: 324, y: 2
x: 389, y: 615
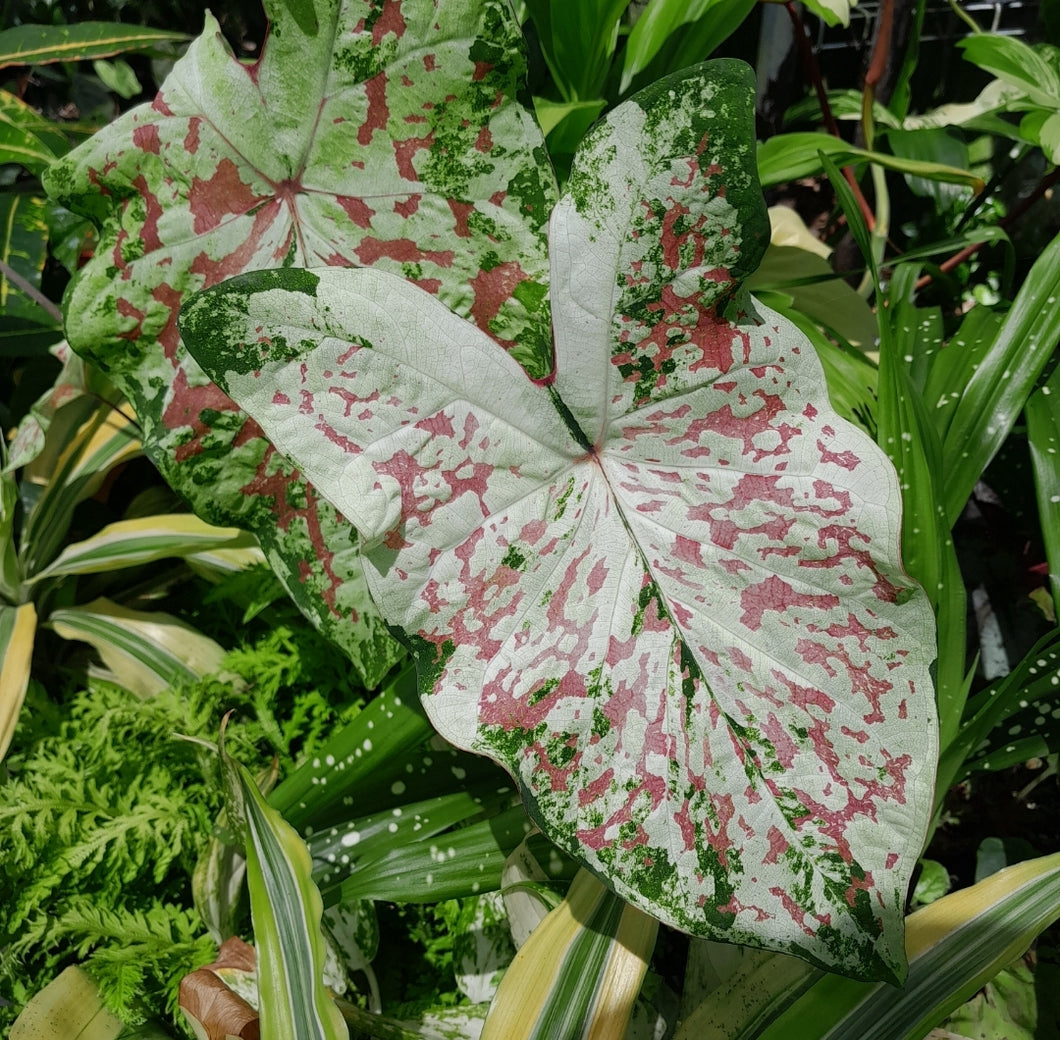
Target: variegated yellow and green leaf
x: 372, y: 132
x: 27, y: 138
x: 28, y: 320
x: 663, y: 587
x: 285, y: 910
x: 71, y: 1006
x: 130, y: 543
x: 18, y: 629
x: 85, y: 441
x: 579, y: 973
x: 42, y: 44
x: 144, y: 651
x: 955, y: 945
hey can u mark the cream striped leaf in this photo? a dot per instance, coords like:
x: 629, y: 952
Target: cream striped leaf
x: 129, y: 543
x: 285, y: 908
x: 18, y: 626
x: 578, y: 974
x: 145, y: 651
x: 954, y: 945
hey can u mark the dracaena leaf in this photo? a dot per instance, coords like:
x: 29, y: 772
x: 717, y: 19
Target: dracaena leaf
x: 371, y: 132
x: 663, y: 587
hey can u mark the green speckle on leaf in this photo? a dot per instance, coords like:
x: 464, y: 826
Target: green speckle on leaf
x: 547, y: 687
x: 514, y: 558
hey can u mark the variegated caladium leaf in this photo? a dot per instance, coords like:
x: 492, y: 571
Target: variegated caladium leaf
x: 381, y: 133
x: 662, y: 587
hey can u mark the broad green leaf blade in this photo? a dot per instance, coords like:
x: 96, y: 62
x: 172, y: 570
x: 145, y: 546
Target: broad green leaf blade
x: 345, y: 850
x: 955, y: 945
x: 461, y: 863
x: 789, y: 266
x: 16, y: 115
x: 285, y: 910
x: 658, y: 21
x: 578, y: 42
x: 996, y: 391
x: 373, y: 133
x: 147, y: 651
x: 129, y: 543
x: 41, y: 44
x: 18, y: 629
x: 579, y: 973
x: 668, y: 580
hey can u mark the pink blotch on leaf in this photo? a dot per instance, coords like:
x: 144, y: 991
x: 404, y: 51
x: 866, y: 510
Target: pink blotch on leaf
x: 222, y: 195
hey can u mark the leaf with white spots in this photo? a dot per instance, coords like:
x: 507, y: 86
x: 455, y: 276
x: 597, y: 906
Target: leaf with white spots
x: 383, y: 133
x: 663, y: 586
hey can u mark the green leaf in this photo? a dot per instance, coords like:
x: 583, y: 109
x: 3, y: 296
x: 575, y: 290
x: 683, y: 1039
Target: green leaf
x: 955, y: 945
x: 578, y: 41
x: 285, y: 910
x: 816, y: 289
x: 578, y: 973
x: 118, y: 76
x: 460, y: 863
x: 789, y: 157
x: 381, y: 134
x: 85, y: 440
x: 584, y: 611
x: 130, y: 543
x: 1015, y: 63
x: 146, y: 651
x: 1043, y: 437
x: 23, y: 250
x: 18, y: 628
x: 996, y: 391
x: 661, y: 18
x: 41, y: 44
x: 939, y: 146
x: 1013, y: 719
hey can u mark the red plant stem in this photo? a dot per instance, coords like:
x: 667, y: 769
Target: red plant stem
x: 813, y: 70
x: 1044, y: 185
x: 882, y: 48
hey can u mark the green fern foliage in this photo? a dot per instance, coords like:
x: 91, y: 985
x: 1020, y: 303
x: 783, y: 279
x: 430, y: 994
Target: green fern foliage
x: 105, y: 810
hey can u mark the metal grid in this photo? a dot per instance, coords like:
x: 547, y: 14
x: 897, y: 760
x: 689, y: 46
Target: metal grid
x: 941, y: 25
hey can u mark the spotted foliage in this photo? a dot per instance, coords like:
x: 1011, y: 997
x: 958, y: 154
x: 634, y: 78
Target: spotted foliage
x: 662, y: 586
x: 382, y: 133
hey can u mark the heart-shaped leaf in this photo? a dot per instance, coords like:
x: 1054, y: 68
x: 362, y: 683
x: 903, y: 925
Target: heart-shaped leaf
x: 371, y: 132
x: 662, y: 588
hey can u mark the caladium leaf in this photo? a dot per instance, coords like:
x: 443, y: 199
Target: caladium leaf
x: 663, y: 587
x: 371, y: 132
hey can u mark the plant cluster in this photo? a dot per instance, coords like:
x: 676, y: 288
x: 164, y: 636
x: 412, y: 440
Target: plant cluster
x: 637, y: 528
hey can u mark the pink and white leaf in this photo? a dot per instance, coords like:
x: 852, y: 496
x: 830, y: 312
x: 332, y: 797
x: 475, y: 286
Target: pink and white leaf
x: 663, y: 587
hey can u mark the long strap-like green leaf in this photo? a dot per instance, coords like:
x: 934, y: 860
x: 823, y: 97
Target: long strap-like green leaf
x: 285, y: 908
